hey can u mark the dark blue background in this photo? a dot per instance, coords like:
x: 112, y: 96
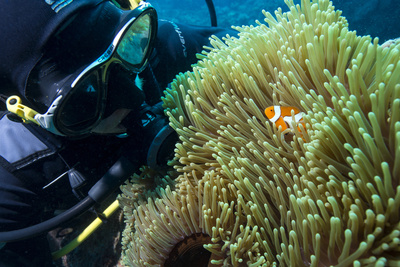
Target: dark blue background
x: 378, y: 18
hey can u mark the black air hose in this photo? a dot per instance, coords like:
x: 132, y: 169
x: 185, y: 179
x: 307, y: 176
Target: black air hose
x: 115, y: 176
x: 213, y: 15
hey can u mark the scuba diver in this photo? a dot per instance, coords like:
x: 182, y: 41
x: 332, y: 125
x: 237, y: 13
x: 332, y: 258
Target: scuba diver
x: 81, y: 83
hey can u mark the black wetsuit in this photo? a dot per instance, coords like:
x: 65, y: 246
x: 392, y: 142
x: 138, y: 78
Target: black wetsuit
x: 31, y: 158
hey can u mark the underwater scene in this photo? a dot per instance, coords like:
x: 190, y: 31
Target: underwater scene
x: 377, y: 18
x: 289, y: 144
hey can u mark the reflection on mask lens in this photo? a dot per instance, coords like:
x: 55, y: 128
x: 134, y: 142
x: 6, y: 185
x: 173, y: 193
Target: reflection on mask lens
x: 82, y: 107
x: 134, y: 44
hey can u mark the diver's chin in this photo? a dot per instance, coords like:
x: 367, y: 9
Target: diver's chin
x: 112, y: 124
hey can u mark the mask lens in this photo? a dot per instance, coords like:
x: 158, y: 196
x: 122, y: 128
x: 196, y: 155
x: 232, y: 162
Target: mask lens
x: 81, y: 109
x: 134, y: 44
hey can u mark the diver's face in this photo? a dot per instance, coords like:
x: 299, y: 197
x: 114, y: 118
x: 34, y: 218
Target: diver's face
x: 124, y: 95
x: 112, y: 124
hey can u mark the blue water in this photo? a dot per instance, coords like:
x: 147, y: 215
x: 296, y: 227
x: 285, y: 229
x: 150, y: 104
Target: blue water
x: 377, y: 18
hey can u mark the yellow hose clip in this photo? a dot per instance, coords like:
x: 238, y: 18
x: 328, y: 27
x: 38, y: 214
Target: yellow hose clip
x: 86, y: 233
x: 15, y: 106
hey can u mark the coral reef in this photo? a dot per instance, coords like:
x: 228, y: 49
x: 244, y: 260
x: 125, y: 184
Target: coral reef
x: 253, y: 195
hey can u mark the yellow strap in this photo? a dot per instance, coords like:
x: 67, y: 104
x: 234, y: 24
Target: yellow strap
x: 14, y: 105
x: 134, y: 3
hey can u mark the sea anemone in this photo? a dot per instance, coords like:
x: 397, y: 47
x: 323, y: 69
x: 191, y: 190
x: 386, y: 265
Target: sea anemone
x: 256, y: 195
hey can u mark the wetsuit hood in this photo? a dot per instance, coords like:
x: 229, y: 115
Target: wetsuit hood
x: 26, y: 27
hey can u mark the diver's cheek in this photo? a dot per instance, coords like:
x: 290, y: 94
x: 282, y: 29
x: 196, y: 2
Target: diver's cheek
x: 111, y: 124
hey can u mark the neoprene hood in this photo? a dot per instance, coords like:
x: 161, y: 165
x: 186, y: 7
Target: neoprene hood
x: 71, y: 33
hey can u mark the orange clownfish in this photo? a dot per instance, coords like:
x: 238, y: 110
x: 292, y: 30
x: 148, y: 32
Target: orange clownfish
x: 282, y: 116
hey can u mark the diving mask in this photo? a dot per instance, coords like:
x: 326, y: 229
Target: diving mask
x: 81, y: 97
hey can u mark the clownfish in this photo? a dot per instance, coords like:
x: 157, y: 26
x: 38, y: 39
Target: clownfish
x: 282, y: 116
